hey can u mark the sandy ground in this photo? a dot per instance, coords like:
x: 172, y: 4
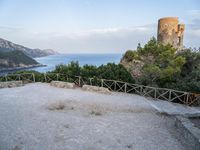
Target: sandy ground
x: 40, y: 117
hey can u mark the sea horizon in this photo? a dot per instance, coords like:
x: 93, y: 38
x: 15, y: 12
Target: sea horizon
x: 95, y: 59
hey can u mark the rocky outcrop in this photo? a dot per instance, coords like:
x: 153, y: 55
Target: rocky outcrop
x: 11, y: 84
x: 61, y: 84
x: 134, y: 67
x: 96, y: 89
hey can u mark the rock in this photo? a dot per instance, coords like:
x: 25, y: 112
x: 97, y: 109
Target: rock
x: 134, y: 66
x: 96, y: 89
x: 61, y: 84
x: 11, y: 84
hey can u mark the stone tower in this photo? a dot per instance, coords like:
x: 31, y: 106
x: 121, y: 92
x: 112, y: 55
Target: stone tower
x: 171, y: 32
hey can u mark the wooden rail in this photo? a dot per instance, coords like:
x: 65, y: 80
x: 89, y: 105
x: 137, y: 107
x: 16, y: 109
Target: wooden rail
x: 113, y: 85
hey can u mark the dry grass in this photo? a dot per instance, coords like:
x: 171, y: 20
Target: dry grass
x: 129, y: 146
x: 92, y: 108
x: 57, y: 106
x: 67, y: 126
x: 96, y: 113
x: 96, y: 109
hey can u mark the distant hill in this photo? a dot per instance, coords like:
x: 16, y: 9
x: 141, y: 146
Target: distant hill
x: 6, y: 46
x: 50, y: 51
x: 15, y: 59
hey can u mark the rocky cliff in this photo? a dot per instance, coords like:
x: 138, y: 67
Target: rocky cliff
x: 133, y: 66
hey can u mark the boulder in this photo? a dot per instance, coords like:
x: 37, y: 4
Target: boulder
x: 96, y: 89
x: 61, y: 84
x: 11, y: 84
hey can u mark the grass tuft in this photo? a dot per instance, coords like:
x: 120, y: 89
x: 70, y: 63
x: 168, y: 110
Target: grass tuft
x: 96, y: 113
x: 56, y: 106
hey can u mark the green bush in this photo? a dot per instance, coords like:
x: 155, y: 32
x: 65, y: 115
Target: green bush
x: 164, y: 67
x: 72, y: 68
x: 110, y: 71
x: 131, y: 55
x: 161, y: 63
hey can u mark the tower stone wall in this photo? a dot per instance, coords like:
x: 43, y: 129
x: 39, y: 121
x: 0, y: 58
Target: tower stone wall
x: 171, y: 32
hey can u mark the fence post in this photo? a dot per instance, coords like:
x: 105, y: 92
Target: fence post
x: 141, y: 88
x: 19, y: 77
x: 67, y: 78
x: 101, y: 82
x: 79, y: 80
x: 170, y: 95
x: 6, y: 78
x: 155, y: 93
x: 187, y: 98
x: 57, y: 75
x: 45, y: 77
x: 115, y: 84
x: 125, y: 87
x: 33, y: 77
x: 90, y: 81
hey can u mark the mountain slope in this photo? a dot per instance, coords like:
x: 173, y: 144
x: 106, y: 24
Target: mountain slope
x: 9, y: 46
x: 13, y: 59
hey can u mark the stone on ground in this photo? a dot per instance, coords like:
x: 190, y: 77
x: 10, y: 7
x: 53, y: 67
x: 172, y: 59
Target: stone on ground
x: 61, y: 84
x: 96, y: 89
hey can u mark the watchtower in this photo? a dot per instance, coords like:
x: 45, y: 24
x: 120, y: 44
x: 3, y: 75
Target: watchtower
x: 171, y: 32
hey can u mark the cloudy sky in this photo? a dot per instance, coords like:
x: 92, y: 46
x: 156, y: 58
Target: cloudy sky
x: 93, y: 26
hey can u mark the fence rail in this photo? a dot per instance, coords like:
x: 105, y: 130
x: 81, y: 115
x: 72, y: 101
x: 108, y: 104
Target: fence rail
x: 113, y: 85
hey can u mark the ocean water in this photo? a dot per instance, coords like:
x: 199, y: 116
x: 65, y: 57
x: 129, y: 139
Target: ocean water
x: 91, y: 59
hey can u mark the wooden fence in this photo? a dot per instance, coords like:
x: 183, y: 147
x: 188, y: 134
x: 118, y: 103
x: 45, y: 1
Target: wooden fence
x: 113, y: 85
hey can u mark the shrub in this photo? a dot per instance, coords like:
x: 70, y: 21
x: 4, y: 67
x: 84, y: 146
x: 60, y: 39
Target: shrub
x: 131, y: 55
x: 110, y: 71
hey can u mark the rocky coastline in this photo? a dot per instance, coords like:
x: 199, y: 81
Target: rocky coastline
x: 13, y: 69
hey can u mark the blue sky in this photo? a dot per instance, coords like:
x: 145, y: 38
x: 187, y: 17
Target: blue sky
x: 93, y: 26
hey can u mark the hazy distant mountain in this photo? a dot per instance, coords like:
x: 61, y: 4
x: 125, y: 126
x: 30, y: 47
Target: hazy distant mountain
x: 50, y: 51
x: 16, y: 59
x: 6, y: 46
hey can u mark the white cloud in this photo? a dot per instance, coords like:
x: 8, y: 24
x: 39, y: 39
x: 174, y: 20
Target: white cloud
x: 194, y: 12
x: 110, y: 40
x: 105, y: 40
x: 192, y: 34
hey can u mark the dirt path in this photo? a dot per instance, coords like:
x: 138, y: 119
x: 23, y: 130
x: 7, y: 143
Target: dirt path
x: 38, y: 116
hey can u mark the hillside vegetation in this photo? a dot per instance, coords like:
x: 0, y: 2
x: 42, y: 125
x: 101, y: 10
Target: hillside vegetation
x: 109, y: 71
x: 162, y: 66
x: 153, y: 65
x: 12, y: 59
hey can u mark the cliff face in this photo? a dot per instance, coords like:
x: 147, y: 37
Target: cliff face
x: 133, y: 66
x: 9, y: 46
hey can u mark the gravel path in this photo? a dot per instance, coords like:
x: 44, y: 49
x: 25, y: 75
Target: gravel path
x: 40, y: 117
